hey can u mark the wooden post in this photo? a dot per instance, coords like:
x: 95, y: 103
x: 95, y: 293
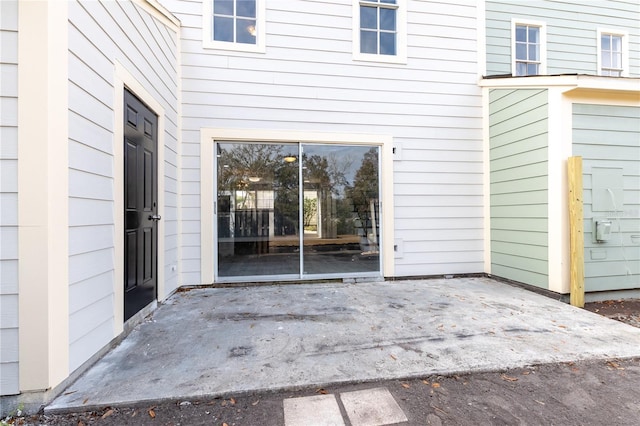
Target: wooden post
x: 576, y: 231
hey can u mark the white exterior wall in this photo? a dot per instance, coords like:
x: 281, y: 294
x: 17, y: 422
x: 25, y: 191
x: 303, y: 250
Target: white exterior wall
x: 103, y: 36
x: 9, y: 383
x: 308, y: 81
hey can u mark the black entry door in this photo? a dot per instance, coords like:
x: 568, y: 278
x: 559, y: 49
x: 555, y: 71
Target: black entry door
x: 141, y: 205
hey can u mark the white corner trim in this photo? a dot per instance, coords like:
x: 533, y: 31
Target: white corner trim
x: 486, y: 179
x: 481, y: 41
x: 123, y: 78
x: 208, y: 137
x: 559, y: 149
x: 160, y: 13
x: 43, y: 195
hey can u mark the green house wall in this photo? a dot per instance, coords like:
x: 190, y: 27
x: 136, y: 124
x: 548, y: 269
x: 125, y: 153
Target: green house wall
x: 518, y: 131
x: 608, y: 139
x: 571, y: 28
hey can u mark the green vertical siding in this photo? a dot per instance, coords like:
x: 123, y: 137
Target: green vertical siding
x: 518, y: 166
x: 571, y: 32
x: 608, y: 139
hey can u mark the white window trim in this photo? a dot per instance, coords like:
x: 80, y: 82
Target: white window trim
x: 401, y: 36
x: 625, y: 49
x: 543, y: 43
x: 207, y: 30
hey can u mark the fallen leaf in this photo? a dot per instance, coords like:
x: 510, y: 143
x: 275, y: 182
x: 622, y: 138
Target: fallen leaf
x: 107, y: 414
x: 406, y: 385
x: 223, y: 403
x: 152, y: 413
x: 539, y: 402
x: 80, y: 423
x: 562, y: 326
x: 426, y: 382
x: 435, y: 385
x: 85, y: 401
x: 393, y: 357
x: 614, y: 365
x: 322, y: 391
x: 508, y: 378
x: 135, y: 413
x: 255, y: 403
x: 252, y: 325
x: 232, y: 401
x: 526, y: 373
x: 224, y: 424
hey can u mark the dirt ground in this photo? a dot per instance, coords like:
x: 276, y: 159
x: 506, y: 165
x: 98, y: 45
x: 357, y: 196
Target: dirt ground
x: 585, y: 393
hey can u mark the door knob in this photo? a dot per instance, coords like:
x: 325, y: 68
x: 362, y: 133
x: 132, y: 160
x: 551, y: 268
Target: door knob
x: 154, y: 217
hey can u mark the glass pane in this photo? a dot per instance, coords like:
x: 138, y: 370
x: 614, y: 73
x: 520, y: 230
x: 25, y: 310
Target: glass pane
x: 521, y: 33
x: 368, y: 17
x: 606, y: 59
x: 387, y: 43
x: 246, y: 31
x: 521, y: 51
x: 223, y: 7
x: 534, y: 34
x: 246, y: 8
x: 616, y: 43
x: 532, y: 69
x: 521, y: 68
x: 388, y: 1
x: 257, y: 210
x: 388, y: 19
x: 606, y: 42
x: 616, y: 60
x: 534, y: 52
x: 368, y: 42
x: 222, y: 29
x: 341, y: 209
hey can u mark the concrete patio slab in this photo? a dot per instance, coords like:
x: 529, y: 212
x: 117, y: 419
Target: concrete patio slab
x: 225, y: 341
x: 372, y: 407
x: 318, y: 410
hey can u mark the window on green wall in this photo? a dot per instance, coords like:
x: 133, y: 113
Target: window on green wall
x: 527, y: 50
x: 612, y: 53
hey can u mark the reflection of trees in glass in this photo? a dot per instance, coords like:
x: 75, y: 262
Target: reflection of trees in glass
x: 240, y: 163
x: 364, y: 196
x: 310, y: 216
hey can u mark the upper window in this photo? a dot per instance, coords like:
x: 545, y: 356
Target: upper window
x: 234, y: 24
x: 379, y: 30
x: 528, y: 48
x: 612, y: 53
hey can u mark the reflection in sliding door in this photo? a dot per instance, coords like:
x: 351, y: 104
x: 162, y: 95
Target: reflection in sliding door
x: 340, y: 209
x: 257, y: 210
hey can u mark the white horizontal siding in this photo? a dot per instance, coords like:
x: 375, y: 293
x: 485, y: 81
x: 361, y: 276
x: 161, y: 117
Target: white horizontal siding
x: 101, y: 33
x: 9, y: 383
x: 571, y: 32
x: 308, y: 81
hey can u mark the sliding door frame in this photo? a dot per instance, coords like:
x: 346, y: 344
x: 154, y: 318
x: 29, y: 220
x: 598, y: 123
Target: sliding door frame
x: 208, y: 176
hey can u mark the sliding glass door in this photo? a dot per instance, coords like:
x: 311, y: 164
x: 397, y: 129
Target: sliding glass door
x: 290, y: 210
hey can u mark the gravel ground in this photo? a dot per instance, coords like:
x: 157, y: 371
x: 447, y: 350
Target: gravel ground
x: 596, y: 392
